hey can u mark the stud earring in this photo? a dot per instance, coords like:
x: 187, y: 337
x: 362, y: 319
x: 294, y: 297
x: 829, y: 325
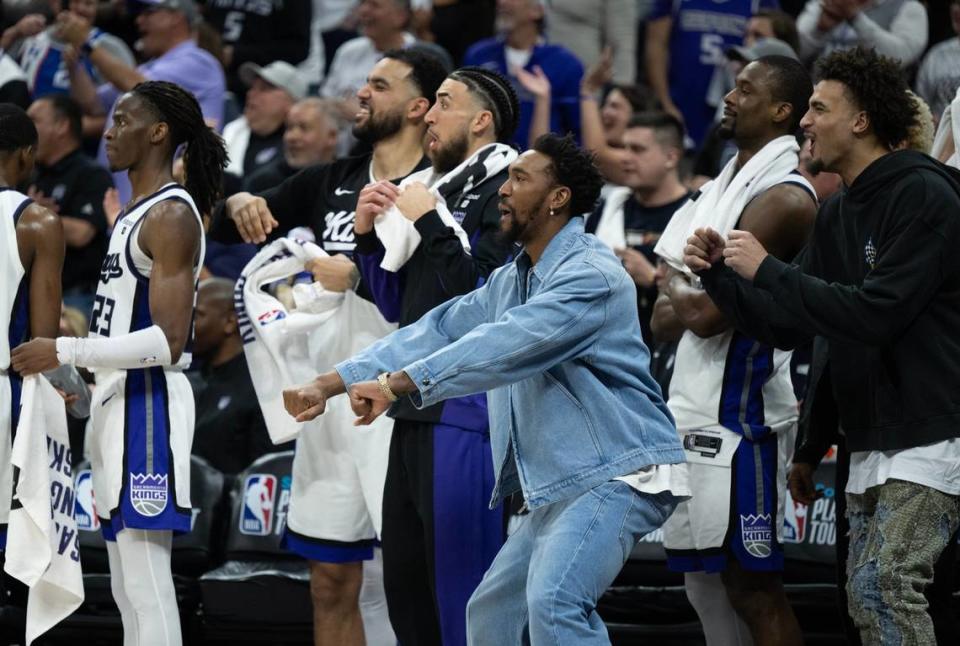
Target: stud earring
x: 551, y: 213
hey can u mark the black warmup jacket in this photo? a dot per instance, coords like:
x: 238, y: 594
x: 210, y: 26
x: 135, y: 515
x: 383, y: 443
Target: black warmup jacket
x: 880, y: 281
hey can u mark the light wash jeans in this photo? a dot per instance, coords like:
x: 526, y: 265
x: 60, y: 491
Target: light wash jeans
x: 544, y: 584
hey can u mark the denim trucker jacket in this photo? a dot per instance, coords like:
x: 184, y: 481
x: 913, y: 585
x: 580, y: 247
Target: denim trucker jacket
x: 557, y: 347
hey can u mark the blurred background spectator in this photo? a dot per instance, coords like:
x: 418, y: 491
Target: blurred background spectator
x: 260, y: 33
x: 630, y: 219
x: 586, y: 28
x: 684, y: 43
x: 42, y: 56
x: 519, y: 46
x: 72, y: 185
x: 939, y: 75
x: 457, y: 24
x: 895, y: 28
x: 310, y: 137
x: 256, y: 138
x: 168, y: 41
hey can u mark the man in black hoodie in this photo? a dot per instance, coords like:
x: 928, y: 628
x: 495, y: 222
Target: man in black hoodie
x: 880, y: 280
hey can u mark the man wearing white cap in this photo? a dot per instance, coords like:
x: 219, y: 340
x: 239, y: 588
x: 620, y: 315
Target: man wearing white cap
x: 256, y: 138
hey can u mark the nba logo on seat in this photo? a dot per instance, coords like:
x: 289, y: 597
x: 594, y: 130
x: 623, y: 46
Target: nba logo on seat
x: 259, y: 491
x: 795, y: 523
x: 85, y: 510
x: 148, y: 493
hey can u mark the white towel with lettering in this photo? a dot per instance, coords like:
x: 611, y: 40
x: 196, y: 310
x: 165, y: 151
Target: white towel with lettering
x: 286, y: 348
x: 398, y: 234
x: 722, y: 200
x: 42, y: 547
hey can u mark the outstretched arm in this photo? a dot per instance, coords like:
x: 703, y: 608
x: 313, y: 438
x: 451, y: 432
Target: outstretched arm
x: 551, y: 327
x: 439, y: 327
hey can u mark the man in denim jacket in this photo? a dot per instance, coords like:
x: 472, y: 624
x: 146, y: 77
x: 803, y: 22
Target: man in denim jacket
x: 577, y: 424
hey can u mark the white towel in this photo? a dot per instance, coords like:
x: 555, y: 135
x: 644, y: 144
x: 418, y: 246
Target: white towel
x: 610, y: 228
x: 42, y: 547
x: 285, y: 348
x: 722, y: 200
x: 948, y: 127
x: 398, y: 235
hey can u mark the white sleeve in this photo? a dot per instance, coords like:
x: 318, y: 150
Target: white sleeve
x: 141, y: 349
x: 906, y: 39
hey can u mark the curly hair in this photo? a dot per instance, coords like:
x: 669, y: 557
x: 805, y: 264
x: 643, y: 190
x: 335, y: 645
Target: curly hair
x: 574, y: 168
x: 495, y: 94
x: 923, y: 130
x: 206, y: 155
x: 877, y: 86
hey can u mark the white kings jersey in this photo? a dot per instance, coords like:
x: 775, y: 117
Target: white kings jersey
x: 729, y: 386
x: 122, y: 303
x: 13, y: 290
x: 15, y: 319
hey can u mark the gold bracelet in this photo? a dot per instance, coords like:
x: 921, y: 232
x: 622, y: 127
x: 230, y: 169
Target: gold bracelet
x: 385, y: 387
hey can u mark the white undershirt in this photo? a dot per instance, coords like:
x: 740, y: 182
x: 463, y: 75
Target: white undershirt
x: 658, y: 478
x: 933, y: 465
x: 517, y: 57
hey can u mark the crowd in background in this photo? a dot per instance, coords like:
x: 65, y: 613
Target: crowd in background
x: 640, y: 83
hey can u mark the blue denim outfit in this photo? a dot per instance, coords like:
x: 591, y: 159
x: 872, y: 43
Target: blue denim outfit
x: 572, y: 404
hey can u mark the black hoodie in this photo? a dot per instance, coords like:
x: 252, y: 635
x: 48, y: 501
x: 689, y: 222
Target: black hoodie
x: 880, y: 280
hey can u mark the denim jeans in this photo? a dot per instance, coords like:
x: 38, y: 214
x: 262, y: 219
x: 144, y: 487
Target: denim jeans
x: 544, y: 584
x: 897, y: 531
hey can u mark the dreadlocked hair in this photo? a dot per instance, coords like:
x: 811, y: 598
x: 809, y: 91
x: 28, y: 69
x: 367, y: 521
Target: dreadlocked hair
x: 496, y: 94
x: 16, y: 128
x: 206, y: 155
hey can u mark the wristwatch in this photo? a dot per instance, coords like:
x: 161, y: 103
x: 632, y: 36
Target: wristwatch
x: 385, y: 387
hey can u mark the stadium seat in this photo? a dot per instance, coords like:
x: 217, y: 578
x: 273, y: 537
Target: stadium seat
x: 262, y: 593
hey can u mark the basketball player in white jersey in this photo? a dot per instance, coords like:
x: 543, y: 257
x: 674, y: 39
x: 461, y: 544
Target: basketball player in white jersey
x: 31, y: 261
x: 732, y: 397
x: 140, y: 338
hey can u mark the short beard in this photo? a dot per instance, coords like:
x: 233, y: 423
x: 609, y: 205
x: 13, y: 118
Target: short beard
x: 446, y: 158
x: 727, y: 132
x: 377, y: 129
x: 814, y: 167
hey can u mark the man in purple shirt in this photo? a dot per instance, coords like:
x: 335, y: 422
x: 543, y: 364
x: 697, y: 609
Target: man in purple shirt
x: 168, y: 30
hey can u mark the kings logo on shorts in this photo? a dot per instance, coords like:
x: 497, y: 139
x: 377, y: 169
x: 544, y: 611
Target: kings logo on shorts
x: 148, y: 493
x: 85, y: 510
x: 756, y: 532
x: 259, y: 494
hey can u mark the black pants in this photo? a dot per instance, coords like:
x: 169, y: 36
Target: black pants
x: 439, y: 536
x: 938, y: 594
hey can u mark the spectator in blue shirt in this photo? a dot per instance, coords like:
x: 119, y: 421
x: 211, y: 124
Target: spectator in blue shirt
x: 520, y: 45
x: 685, y: 43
